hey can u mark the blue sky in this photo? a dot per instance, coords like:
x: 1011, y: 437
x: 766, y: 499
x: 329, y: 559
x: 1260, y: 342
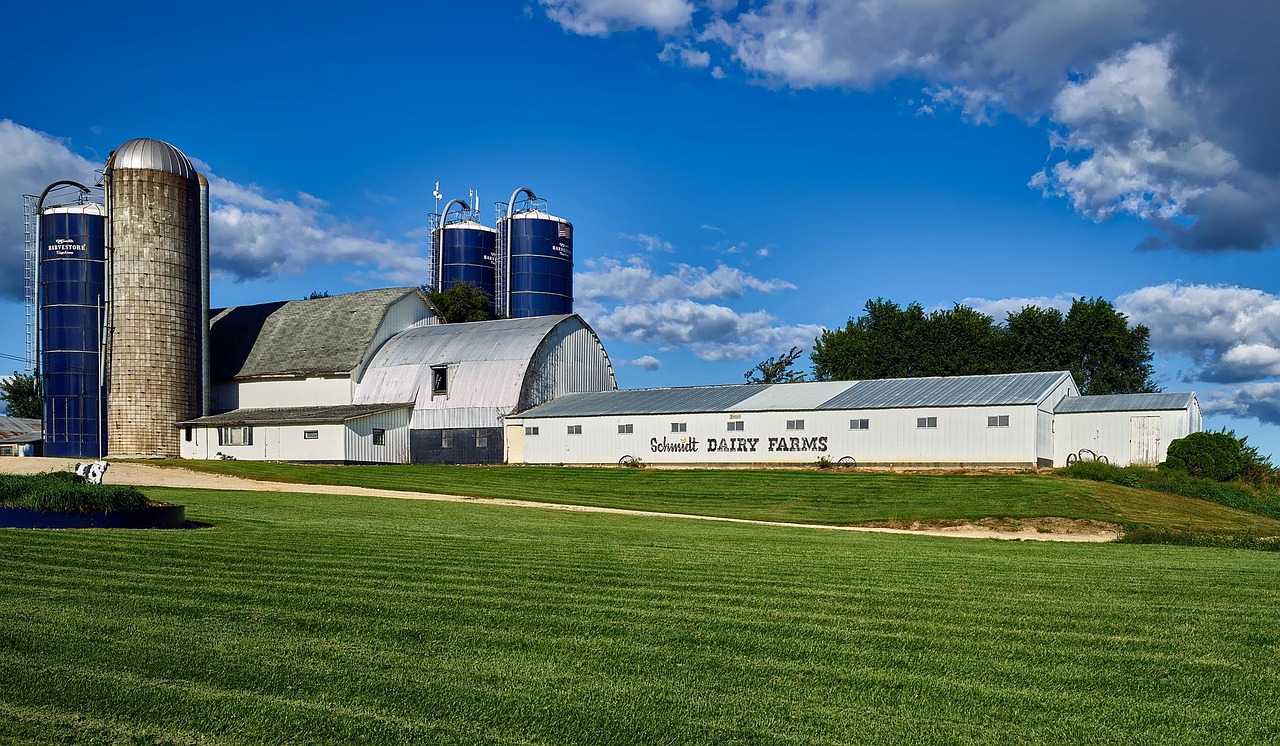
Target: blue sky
x: 739, y: 175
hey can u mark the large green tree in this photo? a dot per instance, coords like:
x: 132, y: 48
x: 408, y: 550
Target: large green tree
x: 1092, y: 340
x: 465, y: 301
x: 776, y: 369
x: 21, y: 395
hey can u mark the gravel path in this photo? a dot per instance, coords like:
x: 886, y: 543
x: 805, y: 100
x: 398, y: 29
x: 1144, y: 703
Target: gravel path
x: 146, y: 475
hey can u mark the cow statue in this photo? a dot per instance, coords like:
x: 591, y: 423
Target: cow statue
x: 92, y: 471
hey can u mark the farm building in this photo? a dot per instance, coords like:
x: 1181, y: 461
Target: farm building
x: 19, y: 436
x: 993, y: 420
x: 372, y: 377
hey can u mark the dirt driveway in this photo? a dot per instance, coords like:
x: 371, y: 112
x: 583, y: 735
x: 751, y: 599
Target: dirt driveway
x: 146, y: 475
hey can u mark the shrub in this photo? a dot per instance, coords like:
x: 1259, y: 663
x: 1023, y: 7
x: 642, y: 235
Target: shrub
x: 1238, y: 496
x: 824, y: 462
x: 1149, y: 535
x: 1218, y: 456
x: 66, y: 492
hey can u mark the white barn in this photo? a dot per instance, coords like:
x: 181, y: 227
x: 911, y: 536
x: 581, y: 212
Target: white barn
x: 373, y: 377
x: 1008, y: 420
x: 1124, y: 428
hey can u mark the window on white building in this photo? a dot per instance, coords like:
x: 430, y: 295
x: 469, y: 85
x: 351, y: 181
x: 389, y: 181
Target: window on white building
x: 926, y: 422
x: 795, y: 424
x: 575, y: 429
x: 679, y: 427
x: 379, y: 436
x: 627, y: 429
x: 439, y: 380
x: 235, y: 436
x: 998, y: 421
x: 859, y: 424
x: 310, y: 434
x: 533, y: 430
x: 736, y: 426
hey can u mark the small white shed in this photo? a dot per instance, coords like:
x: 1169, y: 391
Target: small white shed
x: 1125, y: 428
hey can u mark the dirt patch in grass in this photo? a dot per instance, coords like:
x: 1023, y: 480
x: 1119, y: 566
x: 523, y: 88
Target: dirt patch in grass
x: 1044, y: 526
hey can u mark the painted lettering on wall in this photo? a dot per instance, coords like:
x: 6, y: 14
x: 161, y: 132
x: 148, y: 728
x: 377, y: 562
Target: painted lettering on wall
x: 689, y: 445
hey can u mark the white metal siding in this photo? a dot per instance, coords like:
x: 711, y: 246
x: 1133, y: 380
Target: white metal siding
x: 271, y: 443
x: 1109, y: 433
x: 570, y: 360
x: 282, y: 392
x: 961, y: 437
x: 359, y: 438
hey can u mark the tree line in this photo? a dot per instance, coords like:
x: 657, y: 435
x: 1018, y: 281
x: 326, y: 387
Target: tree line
x: 1092, y: 340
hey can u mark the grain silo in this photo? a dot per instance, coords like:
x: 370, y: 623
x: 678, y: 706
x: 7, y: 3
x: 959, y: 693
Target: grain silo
x: 72, y: 291
x: 157, y: 297
x: 462, y: 251
x: 535, y: 273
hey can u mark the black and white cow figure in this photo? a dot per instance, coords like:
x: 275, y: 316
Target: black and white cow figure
x: 92, y: 471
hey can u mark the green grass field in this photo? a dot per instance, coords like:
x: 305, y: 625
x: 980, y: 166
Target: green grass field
x: 337, y: 619
x: 826, y: 497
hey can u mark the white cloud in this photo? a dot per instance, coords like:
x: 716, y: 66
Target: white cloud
x: 1000, y: 308
x: 649, y: 242
x: 29, y: 162
x: 709, y: 227
x: 762, y: 252
x: 712, y: 332
x: 686, y: 56
x: 1260, y: 401
x: 635, y: 281
x: 647, y: 362
x: 1162, y: 111
x: 602, y: 17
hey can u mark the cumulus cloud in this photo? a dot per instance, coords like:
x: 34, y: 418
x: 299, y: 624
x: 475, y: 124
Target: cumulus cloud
x: 686, y: 56
x: 1231, y: 333
x: 602, y: 17
x: 1160, y: 110
x: 255, y: 236
x: 711, y: 331
x: 636, y: 280
x: 649, y: 242
x: 647, y: 362
x: 1260, y: 401
x: 1000, y: 308
x: 29, y: 162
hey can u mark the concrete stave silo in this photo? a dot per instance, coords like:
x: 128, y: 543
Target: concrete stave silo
x: 157, y: 297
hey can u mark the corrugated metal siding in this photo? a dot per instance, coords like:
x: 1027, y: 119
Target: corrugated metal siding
x: 958, y: 391
x: 570, y: 359
x: 359, y: 438
x: 793, y: 396
x: 1109, y: 433
x: 1126, y: 402
x: 962, y: 436
x: 457, y: 417
x: 648, y: 401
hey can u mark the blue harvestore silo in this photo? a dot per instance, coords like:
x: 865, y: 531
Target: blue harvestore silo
x: 72, y: 288
x: 468, y: 256
x: 539, y: 264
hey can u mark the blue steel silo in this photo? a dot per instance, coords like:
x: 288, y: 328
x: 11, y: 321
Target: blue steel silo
x: 467, y: 255
x: 538, y: 260
x: 72, y: 291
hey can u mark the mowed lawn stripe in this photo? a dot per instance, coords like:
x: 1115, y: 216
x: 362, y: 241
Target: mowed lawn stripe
x: 382, y: 621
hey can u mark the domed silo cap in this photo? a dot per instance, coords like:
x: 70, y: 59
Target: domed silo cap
x: 153, y: 155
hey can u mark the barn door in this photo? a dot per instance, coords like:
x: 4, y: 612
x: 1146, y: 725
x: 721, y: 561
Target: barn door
x: 1144, y: 440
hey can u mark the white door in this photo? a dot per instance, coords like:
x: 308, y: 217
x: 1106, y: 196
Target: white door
x: 1144, y: 440
x: 515, y: 444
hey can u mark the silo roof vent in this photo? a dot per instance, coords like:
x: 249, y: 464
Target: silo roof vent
x: 154, y: 155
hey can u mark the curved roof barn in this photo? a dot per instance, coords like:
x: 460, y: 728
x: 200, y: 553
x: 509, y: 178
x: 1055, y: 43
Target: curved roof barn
x: 490, y: 369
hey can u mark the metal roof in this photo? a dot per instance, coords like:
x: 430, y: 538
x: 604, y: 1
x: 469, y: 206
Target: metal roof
x: 486, y: 360
x: 293, y: 415
x: 153, y: 155
x: 952, y: 391
x: 687, y: 400
x: 893, y: 393
x: 19, y: 430
x: 1125, y: 402
x: 301, y: 337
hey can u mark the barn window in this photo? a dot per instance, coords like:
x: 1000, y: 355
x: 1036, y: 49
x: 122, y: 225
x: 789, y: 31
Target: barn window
x: 235, y: 436
x: 679, y: 427
x: 531, y: 430
x: 575, y: 429
x: 627, y: 429
x: 926, y: 422
x: 310, y: 434
x: 482, y: 439
x: 446, y: 439
x: 795, y: 424
x: 439, y: 380
x: 1001, y: 420
x: 379, y: 436
x: 859, y: 424
x: 736, y: 426
x: 186, y: 433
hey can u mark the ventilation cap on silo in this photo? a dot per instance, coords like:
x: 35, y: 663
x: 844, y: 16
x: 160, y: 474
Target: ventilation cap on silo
x: 152, y: 155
